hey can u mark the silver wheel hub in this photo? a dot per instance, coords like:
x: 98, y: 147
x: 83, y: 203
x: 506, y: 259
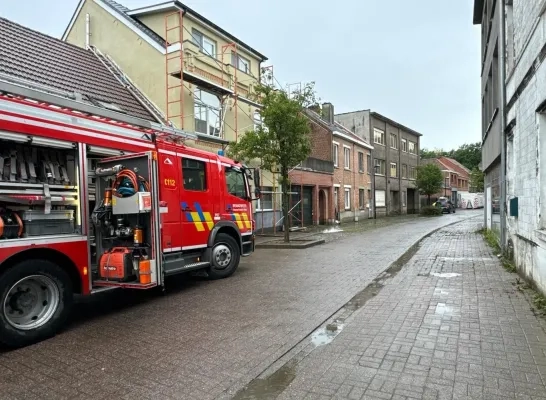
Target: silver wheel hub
x: 221, y: 255
x: 31, y: 302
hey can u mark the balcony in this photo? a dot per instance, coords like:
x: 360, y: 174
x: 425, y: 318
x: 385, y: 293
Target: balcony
x: 212, y: 74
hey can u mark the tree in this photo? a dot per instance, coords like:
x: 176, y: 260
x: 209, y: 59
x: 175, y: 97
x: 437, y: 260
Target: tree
x: 476, y: 180
x: 282, y: 141
x: 469, y: 155
x: 429, y: 179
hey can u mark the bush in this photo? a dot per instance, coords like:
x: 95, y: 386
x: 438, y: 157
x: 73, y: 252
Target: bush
x: 431, y: 211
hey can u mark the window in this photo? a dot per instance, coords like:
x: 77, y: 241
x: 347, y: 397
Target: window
x: 404, y: 145
x: 347, y: 157
x: 361, y: 200
x: 240, y: 62
x: 258, y: 121
x: 394, y: 141
x: 207, y: 45
x: 380, y: 198
x: 394, y: 170
x: 235, y: 182
x: 404, y: 171
x: 336, y: 197
x: 207, y: 112
x: 378, y: 136
x: 335, y: 151
x: 381, y: 164
x: 193, y: 173
x: 266, y: 200
x: 404, y: 201
x: 347, y: 198
x: 411, y: 148
x: 369, y: 162
x: 360, y: 161
x: 412, y: 173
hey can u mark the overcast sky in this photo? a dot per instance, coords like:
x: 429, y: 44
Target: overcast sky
x: 416, y: 62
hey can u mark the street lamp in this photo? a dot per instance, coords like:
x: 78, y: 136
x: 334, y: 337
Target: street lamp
x: 375, y: 170
x: 445, y: 186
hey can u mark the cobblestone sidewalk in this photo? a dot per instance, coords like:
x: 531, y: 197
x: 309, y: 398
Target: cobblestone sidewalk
x: 449, y: 325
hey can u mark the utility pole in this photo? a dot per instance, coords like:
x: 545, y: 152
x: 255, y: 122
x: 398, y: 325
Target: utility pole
x: 502, y: 59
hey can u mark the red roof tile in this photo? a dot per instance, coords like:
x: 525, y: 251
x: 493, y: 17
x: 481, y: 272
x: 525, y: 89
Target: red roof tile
x: 455, y: 166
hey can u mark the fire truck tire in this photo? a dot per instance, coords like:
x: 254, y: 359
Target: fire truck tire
x: 225, y: 257
x: 35, y: 300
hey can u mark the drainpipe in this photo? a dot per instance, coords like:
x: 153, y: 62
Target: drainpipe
x: 502, y: 40
x: 87, y: 32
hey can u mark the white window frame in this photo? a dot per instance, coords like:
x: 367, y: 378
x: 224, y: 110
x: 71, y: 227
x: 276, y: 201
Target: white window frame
x: 395, y: 136
x: 363, y: 169
x: 404, y: 145
x: 240, y: 62
x: 346, y: 159
x: 204, y: 39
x: 335, y: 151
x: 381, y: 134
x: 259, y: 202
x: 209, y: 109
x: 378, y: 161
x: 380, y: 199
x: 395, y: 170
x: 347, y: 199
x: 410, y: 144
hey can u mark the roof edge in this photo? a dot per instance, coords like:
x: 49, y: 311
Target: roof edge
x: 176, y: 4
x: 478, y: 12
x: 72, y: 20
x: 396, y: 124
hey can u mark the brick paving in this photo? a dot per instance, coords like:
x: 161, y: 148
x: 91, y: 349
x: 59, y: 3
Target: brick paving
x: 206, y: 340
x: 450, y: 325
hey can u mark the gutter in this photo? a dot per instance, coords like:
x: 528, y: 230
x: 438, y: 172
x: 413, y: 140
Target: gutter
x: 502, y: 58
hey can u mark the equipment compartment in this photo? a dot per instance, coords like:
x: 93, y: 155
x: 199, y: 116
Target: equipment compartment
x: 38, y: 187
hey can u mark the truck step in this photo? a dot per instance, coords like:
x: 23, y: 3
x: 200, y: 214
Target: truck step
x: 188, y: 267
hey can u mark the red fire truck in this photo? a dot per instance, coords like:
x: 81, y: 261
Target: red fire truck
x: 92, y: 200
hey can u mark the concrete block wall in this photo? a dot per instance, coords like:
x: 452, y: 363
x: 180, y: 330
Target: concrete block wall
x: 526, y: 159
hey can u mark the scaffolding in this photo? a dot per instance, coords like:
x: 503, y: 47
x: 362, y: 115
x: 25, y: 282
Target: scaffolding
x: 231, y: 96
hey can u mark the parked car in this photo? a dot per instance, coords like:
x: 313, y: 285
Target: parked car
x: 446, y: 205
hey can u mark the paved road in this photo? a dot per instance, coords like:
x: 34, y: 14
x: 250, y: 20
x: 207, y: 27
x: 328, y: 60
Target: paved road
x: 450, y: 324
x: 206, y: 340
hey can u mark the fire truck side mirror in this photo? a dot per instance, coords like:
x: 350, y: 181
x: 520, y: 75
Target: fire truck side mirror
x: 258, y: 192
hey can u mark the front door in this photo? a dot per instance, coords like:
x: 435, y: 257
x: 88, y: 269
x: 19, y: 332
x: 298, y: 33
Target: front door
x: 301, y: 204
x: 196, y: 200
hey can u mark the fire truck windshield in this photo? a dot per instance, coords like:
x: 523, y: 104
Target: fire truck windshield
x: 236, y: 182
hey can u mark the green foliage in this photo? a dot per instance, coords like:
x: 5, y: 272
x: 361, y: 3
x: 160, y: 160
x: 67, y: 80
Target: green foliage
x: 429, y: 179
x: 492, y: 239
x: 282, y: 141
x: 469, y: 155
x: 477, y: 178
x: 431, y: 211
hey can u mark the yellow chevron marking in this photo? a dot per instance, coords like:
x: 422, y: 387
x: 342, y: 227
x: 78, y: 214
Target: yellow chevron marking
x: 197, y: 221
x: 238, y: 220
x: 248, y: 223
x: 208, y: 220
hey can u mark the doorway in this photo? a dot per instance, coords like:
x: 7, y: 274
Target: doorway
x: 322, y: 207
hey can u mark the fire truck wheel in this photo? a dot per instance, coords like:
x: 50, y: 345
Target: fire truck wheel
x: 35, y: 299
x: 225, y: 257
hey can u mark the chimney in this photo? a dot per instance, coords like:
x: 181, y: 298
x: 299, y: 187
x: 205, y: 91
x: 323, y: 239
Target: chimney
x: 328, y: 112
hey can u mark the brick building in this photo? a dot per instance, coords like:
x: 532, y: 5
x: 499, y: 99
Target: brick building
x: 395, y: 159
x: 524, y: 206
x: 352, y: 167
x: 456, y: 179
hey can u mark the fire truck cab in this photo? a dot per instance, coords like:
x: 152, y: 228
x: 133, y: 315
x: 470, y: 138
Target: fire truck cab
x: 92, y: 200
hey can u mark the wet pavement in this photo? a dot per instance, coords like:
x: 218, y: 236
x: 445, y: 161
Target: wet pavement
x: 448, y: 323
x: 209, y: 340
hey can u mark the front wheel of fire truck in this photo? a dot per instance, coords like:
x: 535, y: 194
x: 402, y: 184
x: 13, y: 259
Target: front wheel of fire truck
x: 35, y: 299
x: 225, y: 257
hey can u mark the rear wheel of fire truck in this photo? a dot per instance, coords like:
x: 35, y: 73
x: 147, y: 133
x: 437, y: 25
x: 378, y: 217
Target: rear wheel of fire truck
x: 225, y: 257
x: 35, y: 299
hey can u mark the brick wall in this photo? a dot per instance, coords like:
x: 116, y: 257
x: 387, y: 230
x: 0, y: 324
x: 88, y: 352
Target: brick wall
x: 351, y: 178
x: 321, y: 142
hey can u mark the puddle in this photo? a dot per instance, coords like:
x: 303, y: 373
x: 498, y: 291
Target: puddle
x: 333, y: 229
x: 445, y: 274
x: 272, y: 386
x: 326, y: 335
x: 443, y: 309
